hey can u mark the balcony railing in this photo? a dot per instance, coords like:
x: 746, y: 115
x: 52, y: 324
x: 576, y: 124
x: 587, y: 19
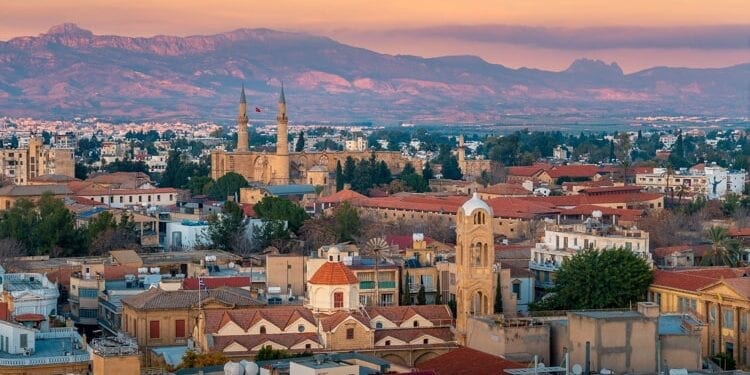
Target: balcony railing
x: 45, y: 360
x: 547, y: 266
x: 382, y: 285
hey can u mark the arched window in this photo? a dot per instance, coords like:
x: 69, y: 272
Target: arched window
x: 262, y: 330
x: 476, y: 254
x: 379, y: 325
x: 338, y: 300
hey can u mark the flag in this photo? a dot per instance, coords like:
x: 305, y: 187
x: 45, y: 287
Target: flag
x: 257, y: 109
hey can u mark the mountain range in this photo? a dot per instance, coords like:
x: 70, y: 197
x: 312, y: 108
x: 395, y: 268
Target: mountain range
x: 68, y: 72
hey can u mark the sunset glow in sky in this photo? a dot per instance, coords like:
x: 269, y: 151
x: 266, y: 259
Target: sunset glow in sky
x: 533, y: 33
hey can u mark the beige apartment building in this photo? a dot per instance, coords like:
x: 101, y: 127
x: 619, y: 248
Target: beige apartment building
x: 20, y: 165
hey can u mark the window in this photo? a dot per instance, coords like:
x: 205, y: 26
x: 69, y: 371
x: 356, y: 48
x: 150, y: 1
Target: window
x: 87, y: 313
x: 378, y: 325
x: 262, y: 330
x: 88, y: 293
x: 24, y: 339
x: 387, y: 342
x: 350, y: 333
x: 338, y: 300
x: 130, y: 199
x: 153, y: 329
x: 426, y: 341
x: 728, y: 321
x: 416, y: 323
x: 301, y: 328
x: 308, y: 346
x: 743, y: 323
x: 179, y: 328
x: 517, y: 289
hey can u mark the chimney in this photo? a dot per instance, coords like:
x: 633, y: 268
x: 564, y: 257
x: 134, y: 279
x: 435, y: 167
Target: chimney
x: 648, y: 309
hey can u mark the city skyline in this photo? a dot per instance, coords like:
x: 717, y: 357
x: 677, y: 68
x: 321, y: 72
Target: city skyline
x: 545, y: 35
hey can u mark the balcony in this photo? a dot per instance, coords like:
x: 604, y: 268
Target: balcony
x: 546, y: 266
x: 382, y: 285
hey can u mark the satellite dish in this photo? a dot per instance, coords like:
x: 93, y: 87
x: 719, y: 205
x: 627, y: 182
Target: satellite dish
x: 577, y: 369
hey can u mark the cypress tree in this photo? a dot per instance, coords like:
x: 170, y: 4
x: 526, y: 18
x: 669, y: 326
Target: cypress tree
x: 406, y: 294
x: 339, y: 176
x: 427, y: 173
x: 421, y: 296
x: 498, y: 297
x: 438, y: 293
x: 300, y: 146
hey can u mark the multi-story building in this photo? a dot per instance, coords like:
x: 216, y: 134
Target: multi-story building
x: 112, y: 151
x: 564, y: 241
x: 286, y: 273
x: 29, y: 293
x: 159, y: 317
x: 711, y: 182
x: 28, y: 350
x: 718, y: 297
x: 356, y: 144
x: 419, y: 269
x: 87, y: 284
x: 21, y: 165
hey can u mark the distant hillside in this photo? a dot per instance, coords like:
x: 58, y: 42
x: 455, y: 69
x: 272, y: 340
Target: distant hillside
x: 72, y: 72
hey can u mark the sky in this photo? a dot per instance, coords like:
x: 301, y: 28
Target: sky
x: 544, y: 34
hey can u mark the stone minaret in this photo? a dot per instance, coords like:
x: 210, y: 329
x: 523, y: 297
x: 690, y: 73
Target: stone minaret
x: 475, y: 255
x: 281, y: 167
x: 242, y: 137
x: 461, y: 153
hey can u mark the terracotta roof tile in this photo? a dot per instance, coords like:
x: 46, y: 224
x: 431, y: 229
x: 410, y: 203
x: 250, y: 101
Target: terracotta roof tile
x: 157, y: 299
x: 437, y: 314
x: 330, y: 322
x: 694, y: 279
x: 333, y: 273
x: 344, y: 195
x: 409, y: 334
x: 245, y: 318
x: 250, y: 341
x: 739, y: 232
x: 465, y: 361
x: 503, y: 189
x: 698, y: 250
x: 404, y: 241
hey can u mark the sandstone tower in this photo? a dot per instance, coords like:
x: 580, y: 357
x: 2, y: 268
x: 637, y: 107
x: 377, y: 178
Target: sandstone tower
x: 281, y: 162
x: 475, y: 255
x: 242, y: 137
x: 461, y: 153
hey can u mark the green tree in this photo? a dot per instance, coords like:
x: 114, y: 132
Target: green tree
x: 451, y: 170
x: 498, y: 296
x: 193, y: 359
x: 599, y: 280
x: 725, y: 361
x: 350, y: 167
x: 339, y: 176
x: 225, y: 229
x: 267, y: 352
x: 415, y: 182
x: 408, y: 169
x: 724, y: 251
x: 81, y: 171
x: 454, y: 308
x: 199, y: 184
x: 280, y: 209
x: 347, y: 223
x: 427, y: 173
x: 227, y: 185
x: 438, y: 292
x: 383, y: 173
x: 406, y: 294
x: 126, y: 166
x: 421, y: 296
x: 300, y: 145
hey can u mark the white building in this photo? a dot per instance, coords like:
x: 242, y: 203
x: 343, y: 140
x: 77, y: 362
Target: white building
x: 668, y: 140
x: 29, y: 293
x: 185, y: 235
x: 560, y: 153
x: 562, y: 242
x: 333, y: 287
x: 356, y: 144
x: 711, y: 182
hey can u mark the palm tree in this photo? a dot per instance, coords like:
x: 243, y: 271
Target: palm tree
x: 724, y: 251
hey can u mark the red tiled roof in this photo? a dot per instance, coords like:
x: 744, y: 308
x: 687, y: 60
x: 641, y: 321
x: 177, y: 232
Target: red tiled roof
x: 504, y: 189
x: 739, y: 232
x: 642, y: 170
x: 91, y: 191
x: 694, y: 279
x: 118, y: 271
x: 248, y: 210
x: 409, y: 334
x: 698, y: 250
x: 191, y: 283
x: 245, y: 318
x: 344, y: 195
x: 330, y: 322
x: 405, y: 241
x: 29, y: 317
x: 333, y: 273
x: 611, y: 189
x: 251, y: 341
x: 587, y: 170
x: 465, y: 361
x: 577, y: 200
x: 437, y: 314
x: 502, y: 207
x: 527, y: 171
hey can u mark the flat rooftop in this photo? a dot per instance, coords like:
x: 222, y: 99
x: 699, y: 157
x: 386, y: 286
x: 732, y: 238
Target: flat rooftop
x: 614, y: 314
x: 675, y: 324
x: 61, y: 348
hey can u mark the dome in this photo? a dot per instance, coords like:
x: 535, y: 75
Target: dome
x: 475, y: 203
x: 333, y: 273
